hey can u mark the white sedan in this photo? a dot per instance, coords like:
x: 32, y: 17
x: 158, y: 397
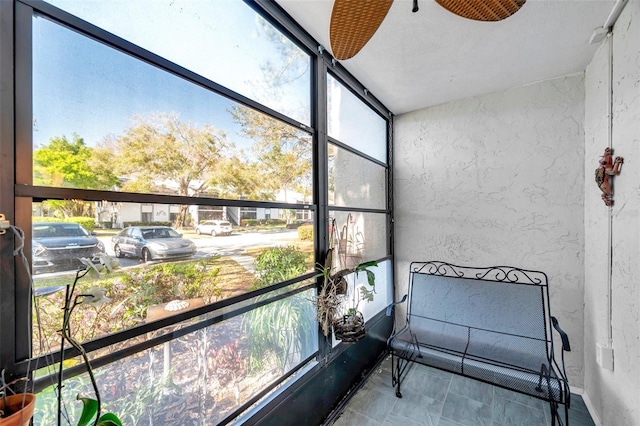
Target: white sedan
x: 214, y: 227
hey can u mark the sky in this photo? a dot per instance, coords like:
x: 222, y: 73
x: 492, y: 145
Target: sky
x: 82, y: 86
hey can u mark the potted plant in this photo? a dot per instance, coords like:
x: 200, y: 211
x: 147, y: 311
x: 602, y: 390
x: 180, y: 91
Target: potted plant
x: 16, y: 410
x: 91, y: 411
x: 348, y: 327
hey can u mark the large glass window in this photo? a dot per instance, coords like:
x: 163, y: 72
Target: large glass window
x: 159, y: 265
x: 227, y: 43
x: 175, y: 139
x: 204, y: 375
x: 130, y: 126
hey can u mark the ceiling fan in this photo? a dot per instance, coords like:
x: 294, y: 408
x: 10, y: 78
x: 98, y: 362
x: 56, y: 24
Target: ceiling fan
x: 353, y: 22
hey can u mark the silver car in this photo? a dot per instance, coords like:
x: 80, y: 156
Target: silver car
x: 152, y: 242
x: 214, y: 227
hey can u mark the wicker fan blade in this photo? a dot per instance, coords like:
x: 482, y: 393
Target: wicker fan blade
x: 482, y: 10
x: 353, y: 23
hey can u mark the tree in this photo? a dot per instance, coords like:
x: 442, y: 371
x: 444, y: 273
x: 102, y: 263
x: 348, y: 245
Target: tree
x: 238, y: 178
x: 283, y: 83
x: 160, y: 151
x: 283, y: 152
x: 70, y: 164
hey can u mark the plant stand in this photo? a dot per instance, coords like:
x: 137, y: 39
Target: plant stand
x: 349, y: 328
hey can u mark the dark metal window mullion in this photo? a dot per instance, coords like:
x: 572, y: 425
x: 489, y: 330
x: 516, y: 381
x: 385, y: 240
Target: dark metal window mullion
x: 23, y: 169
x: 354, y: 151
x: 390, y: 209
x: 321, y: 172
x: 7, y: 206
x: 41, y: 193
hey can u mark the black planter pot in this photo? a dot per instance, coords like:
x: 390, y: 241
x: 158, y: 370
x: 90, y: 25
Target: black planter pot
x: 349, y: 328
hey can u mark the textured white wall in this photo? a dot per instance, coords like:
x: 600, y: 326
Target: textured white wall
x: 499, y: 180
x: 614, y: 395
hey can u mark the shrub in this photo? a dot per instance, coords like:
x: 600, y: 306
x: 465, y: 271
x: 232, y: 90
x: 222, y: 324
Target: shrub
x: 276, y: 222
x: 87, y: 223
x: 249, y: 222
x: 131, y: 291
x: 295, y: 224
x: 305, y: 232
x: 177, y: 280
x: 284, y: 329
x: 278, y: 264
x: 36, y: 219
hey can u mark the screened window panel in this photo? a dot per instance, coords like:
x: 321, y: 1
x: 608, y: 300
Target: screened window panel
x: 352, y: 122
x: 208, y: 261
x: 203, y: 376
x: 228, y: 43
x: 383, y: 291
x: 105, y: 120
x: 355, y: 181
x: 358, y: 237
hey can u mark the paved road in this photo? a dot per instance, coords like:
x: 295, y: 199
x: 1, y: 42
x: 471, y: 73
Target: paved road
x: 232, y: 245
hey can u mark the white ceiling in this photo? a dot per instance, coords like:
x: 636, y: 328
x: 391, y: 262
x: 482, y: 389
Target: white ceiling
x: 416, y: 60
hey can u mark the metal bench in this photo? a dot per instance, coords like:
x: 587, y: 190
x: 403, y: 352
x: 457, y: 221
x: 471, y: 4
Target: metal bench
x: 491, y: 324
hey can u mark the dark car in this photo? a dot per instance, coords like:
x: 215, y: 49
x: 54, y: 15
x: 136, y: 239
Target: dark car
x: 152, y: 242
x: 58, y: 246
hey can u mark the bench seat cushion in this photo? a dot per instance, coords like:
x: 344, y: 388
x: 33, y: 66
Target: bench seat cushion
x: 507, y: 361
x: 521, y: 381
x: 434, y: 357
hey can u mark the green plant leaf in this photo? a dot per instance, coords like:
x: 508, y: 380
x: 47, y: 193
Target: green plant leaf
x: 371, y: 278
x: 364, y: 265
x: 109, y: 419
x: 89, y: 410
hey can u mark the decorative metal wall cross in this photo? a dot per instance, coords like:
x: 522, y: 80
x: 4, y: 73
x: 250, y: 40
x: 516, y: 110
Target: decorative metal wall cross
x: 605, y: 172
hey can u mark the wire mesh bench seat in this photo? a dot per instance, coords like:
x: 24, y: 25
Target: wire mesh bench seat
x: 490, y: 324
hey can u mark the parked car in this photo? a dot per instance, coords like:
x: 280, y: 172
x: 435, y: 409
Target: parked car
x: 214, y: 227
x: 58, y: 246
x: 152, y: 242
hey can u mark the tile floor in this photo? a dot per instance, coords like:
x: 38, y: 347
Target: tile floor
x: 436, y: 398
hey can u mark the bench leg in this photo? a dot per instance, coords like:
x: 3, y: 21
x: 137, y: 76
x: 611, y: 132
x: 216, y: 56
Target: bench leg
x: 553, y: 407
x: 417, y: 345
x: 399, y: 378
x: 398, y: 365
